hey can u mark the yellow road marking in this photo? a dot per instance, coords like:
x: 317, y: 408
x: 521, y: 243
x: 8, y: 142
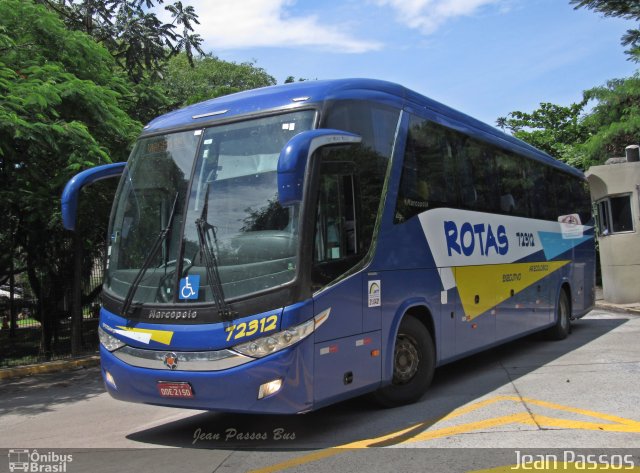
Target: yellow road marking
x: 299, y: 461
x: 612, y: 424
x: 575, y: 410
x: 521, y: 418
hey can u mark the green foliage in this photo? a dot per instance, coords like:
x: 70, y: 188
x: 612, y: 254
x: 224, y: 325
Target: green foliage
x: 76, y: 79
x: 291, y: 79
x: 208, y: 78
x: 133, y: 34
x: 61, y: 110
x: 147, y: 100
x: 627, y: 9
x: 552, y: 128
x: 614, y: 122
x: 581, y: 138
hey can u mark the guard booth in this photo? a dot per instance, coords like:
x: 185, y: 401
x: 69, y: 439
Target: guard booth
x: 615, y: 193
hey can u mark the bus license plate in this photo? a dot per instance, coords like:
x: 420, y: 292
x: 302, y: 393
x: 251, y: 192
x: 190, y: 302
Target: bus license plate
x: 180, y: 390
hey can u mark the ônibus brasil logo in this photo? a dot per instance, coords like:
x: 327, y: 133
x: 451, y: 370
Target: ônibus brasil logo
x: 22, y: 459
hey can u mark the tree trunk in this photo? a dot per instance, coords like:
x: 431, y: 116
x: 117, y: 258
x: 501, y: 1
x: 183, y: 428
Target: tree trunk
x: 12, y: 303
x: 44, y: 316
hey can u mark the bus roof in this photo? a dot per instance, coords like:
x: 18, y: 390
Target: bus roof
x: 299, y: 94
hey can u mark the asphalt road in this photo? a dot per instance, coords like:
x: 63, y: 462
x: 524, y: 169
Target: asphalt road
x: 563, y: 400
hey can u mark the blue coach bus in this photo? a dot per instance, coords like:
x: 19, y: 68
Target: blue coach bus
x: 281, y: 249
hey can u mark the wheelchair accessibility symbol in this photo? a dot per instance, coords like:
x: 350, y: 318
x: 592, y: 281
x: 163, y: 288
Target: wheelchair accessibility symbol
x: 189, y: 287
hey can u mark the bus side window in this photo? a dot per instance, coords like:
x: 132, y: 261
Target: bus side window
x: 478, y: 177
x: 542, y: 201
x: 428, y: 174
x: 467, y: 194
x: 515, y: 184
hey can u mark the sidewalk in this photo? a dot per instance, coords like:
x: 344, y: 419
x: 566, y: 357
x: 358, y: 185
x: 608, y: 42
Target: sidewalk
x: 633, y: 308
x: 49, y: 367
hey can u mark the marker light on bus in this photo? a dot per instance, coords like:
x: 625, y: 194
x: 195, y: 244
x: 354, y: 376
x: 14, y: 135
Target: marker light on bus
x: 108, y: 341
x: 277, y: 341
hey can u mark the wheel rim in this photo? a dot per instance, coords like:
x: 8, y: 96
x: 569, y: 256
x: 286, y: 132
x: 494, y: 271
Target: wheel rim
x: 564, y: 314
x: 406, y: 359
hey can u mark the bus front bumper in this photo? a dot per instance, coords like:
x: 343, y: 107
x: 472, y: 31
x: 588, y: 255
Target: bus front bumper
x: 229, y: 390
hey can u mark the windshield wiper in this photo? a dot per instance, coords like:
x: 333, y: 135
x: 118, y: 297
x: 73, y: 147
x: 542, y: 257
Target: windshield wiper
x: 205, y: 231
x: 147, y: 262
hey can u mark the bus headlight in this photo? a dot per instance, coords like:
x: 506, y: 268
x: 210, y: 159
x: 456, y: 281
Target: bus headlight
x: 108, y: 341
x: 274, y: 342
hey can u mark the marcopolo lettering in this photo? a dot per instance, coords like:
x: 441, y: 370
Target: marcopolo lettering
x: 173, y: 314
x: 474, y: 238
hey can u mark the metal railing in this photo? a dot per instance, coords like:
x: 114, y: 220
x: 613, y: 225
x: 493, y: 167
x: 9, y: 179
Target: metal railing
x: 24, y: 344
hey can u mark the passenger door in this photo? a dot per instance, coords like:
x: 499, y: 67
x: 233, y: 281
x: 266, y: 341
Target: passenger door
x: 343, y: 360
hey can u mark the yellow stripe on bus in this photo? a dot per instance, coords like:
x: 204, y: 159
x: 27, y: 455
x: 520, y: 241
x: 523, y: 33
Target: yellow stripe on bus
x: 482, y: 288
x: 160, y: 336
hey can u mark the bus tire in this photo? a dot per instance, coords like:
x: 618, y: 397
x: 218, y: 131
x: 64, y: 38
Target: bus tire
x: 414, y: 361
x: 562, y: 328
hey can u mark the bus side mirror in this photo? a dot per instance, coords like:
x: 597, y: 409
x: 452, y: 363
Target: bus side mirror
x: 294, y: 157
x: 72, y: 189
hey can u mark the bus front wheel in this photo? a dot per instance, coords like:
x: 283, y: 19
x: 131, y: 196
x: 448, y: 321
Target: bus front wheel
x: 414, y: 362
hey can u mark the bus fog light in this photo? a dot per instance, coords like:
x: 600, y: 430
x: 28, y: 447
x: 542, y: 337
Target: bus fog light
x: 109, y: 378
x: 267, y: 389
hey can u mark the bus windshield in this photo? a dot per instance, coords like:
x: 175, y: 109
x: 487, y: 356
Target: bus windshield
x: 227, y: 215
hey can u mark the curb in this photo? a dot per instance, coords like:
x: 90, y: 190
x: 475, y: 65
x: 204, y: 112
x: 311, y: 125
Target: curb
x: 49, y: 367
x: 626, y: 309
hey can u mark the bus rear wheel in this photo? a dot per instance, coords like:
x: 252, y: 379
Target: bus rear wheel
x: 414, y: 363
x: 562, y: 328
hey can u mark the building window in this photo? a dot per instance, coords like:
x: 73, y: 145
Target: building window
x: 614, y: 215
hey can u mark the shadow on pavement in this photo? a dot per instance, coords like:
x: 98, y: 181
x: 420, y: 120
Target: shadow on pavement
x: 48, y: 390
x: 454, y: 386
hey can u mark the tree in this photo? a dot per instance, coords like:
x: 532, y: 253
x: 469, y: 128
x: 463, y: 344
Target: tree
x: 61, y: 98
x: 627, y: 9
x: 583, y: 139
x: 133, y: 34
x: 209, y: 77
x: 614, y: 122
x: 555, y: 129
x: 291, y: 79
